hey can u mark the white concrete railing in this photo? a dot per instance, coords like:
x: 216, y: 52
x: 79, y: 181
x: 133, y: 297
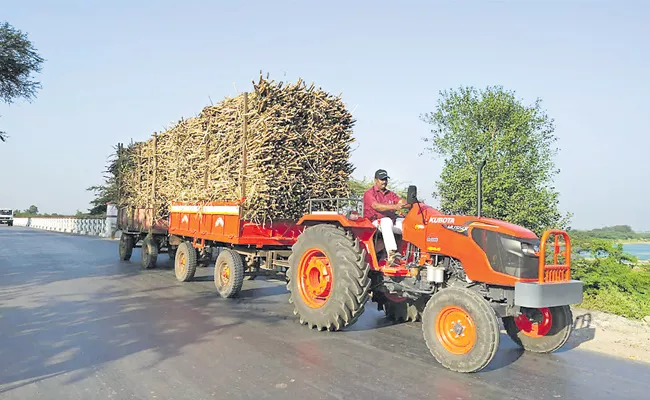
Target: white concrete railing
x: 104, y: 227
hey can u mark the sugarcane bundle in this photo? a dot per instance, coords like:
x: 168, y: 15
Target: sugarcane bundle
x: 276, y: 147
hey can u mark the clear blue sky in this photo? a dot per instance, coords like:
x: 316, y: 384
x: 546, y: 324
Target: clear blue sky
x: 121, y: 71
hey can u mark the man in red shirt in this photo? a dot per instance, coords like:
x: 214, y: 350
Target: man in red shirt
x: 379, y: 205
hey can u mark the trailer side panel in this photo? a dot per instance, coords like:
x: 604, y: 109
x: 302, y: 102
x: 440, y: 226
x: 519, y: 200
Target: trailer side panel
x: 221, y: 222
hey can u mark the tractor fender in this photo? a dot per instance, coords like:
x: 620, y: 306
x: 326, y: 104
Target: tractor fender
x: 335, y: 219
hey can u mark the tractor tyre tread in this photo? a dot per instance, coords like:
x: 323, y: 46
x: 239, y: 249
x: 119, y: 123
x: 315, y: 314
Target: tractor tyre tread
x: 562, y: 324
x: 404, y: 311
x: 485, y: 322
x: 350, y: 289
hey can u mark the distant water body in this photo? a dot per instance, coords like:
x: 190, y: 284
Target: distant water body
x: 641, y: 251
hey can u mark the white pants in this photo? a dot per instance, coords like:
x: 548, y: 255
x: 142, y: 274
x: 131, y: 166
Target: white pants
x: 388, y: 231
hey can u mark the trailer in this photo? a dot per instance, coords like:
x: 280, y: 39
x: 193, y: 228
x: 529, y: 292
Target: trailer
x: 140, y: 228
x: 196, y: 233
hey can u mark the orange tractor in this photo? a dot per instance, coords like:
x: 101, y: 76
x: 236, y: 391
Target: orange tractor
x: 459, y: 275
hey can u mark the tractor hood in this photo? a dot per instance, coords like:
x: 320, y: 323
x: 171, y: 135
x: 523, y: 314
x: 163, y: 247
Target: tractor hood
x: 508, y: 228
x: 456, y: 222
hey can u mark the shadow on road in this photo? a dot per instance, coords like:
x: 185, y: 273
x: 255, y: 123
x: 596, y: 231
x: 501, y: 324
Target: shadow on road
x: 70, y: 336
x: 39, y: 257
x: 582, y: 332
x: 56, y: 319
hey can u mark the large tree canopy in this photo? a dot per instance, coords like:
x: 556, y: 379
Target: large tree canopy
x: 18, y: 60
x: 517, y: 142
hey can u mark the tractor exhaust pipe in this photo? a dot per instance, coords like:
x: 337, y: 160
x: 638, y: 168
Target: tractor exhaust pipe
x: 479, y: 184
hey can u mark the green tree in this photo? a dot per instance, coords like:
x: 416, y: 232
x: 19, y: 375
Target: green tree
x: 18, y: 60
x: 32, y: 210
x: 515, y: 140
x: 108, y: 192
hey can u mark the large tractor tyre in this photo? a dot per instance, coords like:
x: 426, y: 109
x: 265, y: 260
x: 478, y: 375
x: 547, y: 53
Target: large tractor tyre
x: 127, y: 242
x: 461, y: 329
x: 185, y: 262
x: 399, y: 309
x: 542, y: 330
x: 149, y: 252
x: 228, y: 273
x: 328, y: 278
x: 10, y: 224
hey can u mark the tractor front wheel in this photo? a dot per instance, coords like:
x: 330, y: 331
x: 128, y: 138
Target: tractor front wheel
x: 328, y: 278
x: 540, y: 330
x: 461, y: 329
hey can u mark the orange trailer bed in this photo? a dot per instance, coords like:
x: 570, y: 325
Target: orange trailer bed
x: 222, y: 222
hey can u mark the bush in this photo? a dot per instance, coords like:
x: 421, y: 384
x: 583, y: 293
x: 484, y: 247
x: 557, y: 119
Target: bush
x: 613, y: 282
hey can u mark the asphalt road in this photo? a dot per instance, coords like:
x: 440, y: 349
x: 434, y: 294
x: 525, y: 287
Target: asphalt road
x: 76, y: 323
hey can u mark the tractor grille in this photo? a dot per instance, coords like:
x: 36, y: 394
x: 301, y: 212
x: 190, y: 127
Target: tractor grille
x: 505, y: 254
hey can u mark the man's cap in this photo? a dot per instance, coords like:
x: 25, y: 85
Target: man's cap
x: 381, y: 174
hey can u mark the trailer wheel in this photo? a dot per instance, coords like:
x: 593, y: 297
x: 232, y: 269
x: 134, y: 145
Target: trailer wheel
x: 328, y: 278
x: 542, y: 330
x: 228, y: 273
x: 149, y: 252
x: 127, y: 242
x: 460, y: 329
x: 185, y: 262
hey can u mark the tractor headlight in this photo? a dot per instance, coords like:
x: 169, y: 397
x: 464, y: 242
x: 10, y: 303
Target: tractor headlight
x: 530, y: 249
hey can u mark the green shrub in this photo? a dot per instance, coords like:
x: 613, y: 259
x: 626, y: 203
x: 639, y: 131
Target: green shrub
x: 613, y: 282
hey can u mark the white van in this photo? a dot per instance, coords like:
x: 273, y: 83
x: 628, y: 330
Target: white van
x: 7, y: 216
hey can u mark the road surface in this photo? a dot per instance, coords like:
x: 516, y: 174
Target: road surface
x: 76, y: 323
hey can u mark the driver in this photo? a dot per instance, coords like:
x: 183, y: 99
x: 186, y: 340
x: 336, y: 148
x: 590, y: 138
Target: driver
x: 380, y: 206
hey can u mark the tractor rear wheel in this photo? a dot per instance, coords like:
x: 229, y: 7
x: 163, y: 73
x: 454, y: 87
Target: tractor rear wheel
x: 328, y: 278
x: 149, y: 252
x: 540, y: 330
x: 185, y: 262
x: 399, y: 309
x: 228, y: 273
x: 460, y: 329
x: 127, y: 242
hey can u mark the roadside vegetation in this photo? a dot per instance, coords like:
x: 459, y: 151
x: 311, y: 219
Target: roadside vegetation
x: 614, y: 281
x: 33, y: 212
x: 617, y: 233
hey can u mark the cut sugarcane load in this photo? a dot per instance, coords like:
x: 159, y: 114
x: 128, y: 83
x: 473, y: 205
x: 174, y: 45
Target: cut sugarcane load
x: 273, y: 147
